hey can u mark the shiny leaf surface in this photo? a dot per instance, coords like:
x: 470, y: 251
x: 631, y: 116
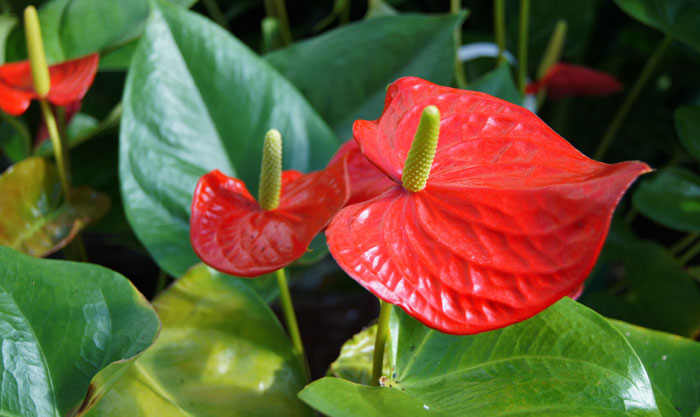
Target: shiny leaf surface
x: 688, y: 129
x: 221, y: 352
x: 356, y: 356
x: 396, y: 46
x: 672, y: 198
x: 567, y: 80
x: 565, y: 361
x: 232, y: 233
x: 673, y: 365
x: 65, y: 326
x: 33, y: 217
x: 366, y: 181
x: 511, y: 220
x: 195, y: 100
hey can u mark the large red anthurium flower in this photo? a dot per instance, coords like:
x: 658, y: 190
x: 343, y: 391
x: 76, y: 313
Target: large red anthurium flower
x: 568, y: 80
x: 366, y: 181
x: 232, y: 233
x: 70, y: 81
x: 511, y: 218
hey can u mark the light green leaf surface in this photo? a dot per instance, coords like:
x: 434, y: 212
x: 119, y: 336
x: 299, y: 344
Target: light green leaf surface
x: 34, y: 218
x: 196, y: 99
x: 221, y: 352
x: 60, y: 324
x: 565, y: 361
x: 344, y: 72
x: 671, y: 197
x: 356, y: 355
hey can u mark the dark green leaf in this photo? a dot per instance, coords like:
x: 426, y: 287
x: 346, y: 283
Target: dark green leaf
x: 344, y: 73
x: 678, y: 18
x: 688, y: 129
x: 672, y: 198
x: 673, y: 365
x: 565, y: 361
x: 65, y: 326
x: 196, y: 99
x: 221, y: 352
x: 33, y: 217
x: 498, y: 83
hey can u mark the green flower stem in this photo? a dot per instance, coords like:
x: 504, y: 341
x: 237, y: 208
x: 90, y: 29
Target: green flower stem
x: 380, y: 341
x: 58, y: 147
x: 683, y: 243
x: 499, y: 24
x: 522, y: 43
x: 215, y: 12
x: 631, y: 98
x: 690, y: 254
x: 291, y: 319
x: 551, y: 55
x: 460, y: 75
x: 281, y: 14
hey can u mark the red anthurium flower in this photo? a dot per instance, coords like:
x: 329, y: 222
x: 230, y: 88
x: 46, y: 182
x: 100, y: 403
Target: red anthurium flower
x: 366, y: 181
x: 70, y: 81
x: 564, y: 80
x: 232, y: 233
x: 511, y: 218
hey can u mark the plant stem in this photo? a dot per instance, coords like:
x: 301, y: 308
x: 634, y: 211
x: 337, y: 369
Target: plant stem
x: 460, y: 76
x: 281, y: 14
x: 551, y: 55
x: 499, y: 23
x: 683, y: 243
x: 690, y: 254
x: 216, y: 13
x: 522, y: 44
x: 58, y: 147
x: 631, y: 98
x: 380, y: 341
x: 291, y: 320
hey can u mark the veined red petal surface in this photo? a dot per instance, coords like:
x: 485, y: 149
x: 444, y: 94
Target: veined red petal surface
x: 366, y: 181
x: 230, y: 232
x: 511, y: 220
x: 565, y: 80
x: 70, y: 81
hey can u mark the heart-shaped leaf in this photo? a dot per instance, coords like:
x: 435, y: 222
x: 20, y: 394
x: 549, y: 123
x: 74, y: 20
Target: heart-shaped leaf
x: 33, y: 217
x: 688, y: 129
x: 221, y: 352
x: 344, y: 72
x: 356, y: 355
x: 678, y: 18
x: 63, y: 325
x: 673, y: 365
x: 565, y: 361
x: 195, y: 100
x: 672, y: 198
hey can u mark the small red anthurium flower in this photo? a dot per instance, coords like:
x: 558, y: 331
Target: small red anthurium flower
x: 493, y: 217
x: 568, y: 80
x: 70, y: 81
x: 235, y: 234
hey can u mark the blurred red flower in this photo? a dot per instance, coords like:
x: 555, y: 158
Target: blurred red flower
x: 567, y: 80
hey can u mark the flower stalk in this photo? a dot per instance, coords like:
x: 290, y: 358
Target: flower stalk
x: 291, y: 320
x: 380, y: 341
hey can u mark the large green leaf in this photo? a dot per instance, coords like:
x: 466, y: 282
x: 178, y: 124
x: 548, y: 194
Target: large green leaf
x: 673, y: 365
x: 688, y: 129
x: 672, y: 198
x: 60, y: 324
x: 34, y: 219
x: 498, y: 83
x: 221, y: 352
x: 565, y: 361
x: 73, y: 28
x: 196, y: 99
x: 344, y: 73
x: 678, y: 18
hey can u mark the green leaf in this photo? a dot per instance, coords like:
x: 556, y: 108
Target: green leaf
x: 81, y: 126
x: 688, y: 129
x: 33, y: 217
x: 565, y: 361
x: 673, y: 365
x: 344, y: 72
x: 7, y: 23
x: 356, y: 356
x: 60, y: 324
x: 672, y: 198
x: 678, y: 18
x: 221, y: 352
x: 196, y: 99
x: 498, y: 83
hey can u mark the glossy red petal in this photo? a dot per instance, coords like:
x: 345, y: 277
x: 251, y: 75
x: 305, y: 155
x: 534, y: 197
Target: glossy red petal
x: 511, y: 220
x: 16, y: 87
x: 566, y: 80
x: 70, y: 80
x: 230, y: 232
x: 366, y: 181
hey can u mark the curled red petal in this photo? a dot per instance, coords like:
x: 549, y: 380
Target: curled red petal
x: 230, y: 232
x: 366, y: 181
x: 567, y: 80
x: 511, y: 220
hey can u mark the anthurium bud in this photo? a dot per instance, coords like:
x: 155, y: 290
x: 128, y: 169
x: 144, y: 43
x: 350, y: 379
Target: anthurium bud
x: 271, y: 171
x: 35, y: 49
x: 420, y: 156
